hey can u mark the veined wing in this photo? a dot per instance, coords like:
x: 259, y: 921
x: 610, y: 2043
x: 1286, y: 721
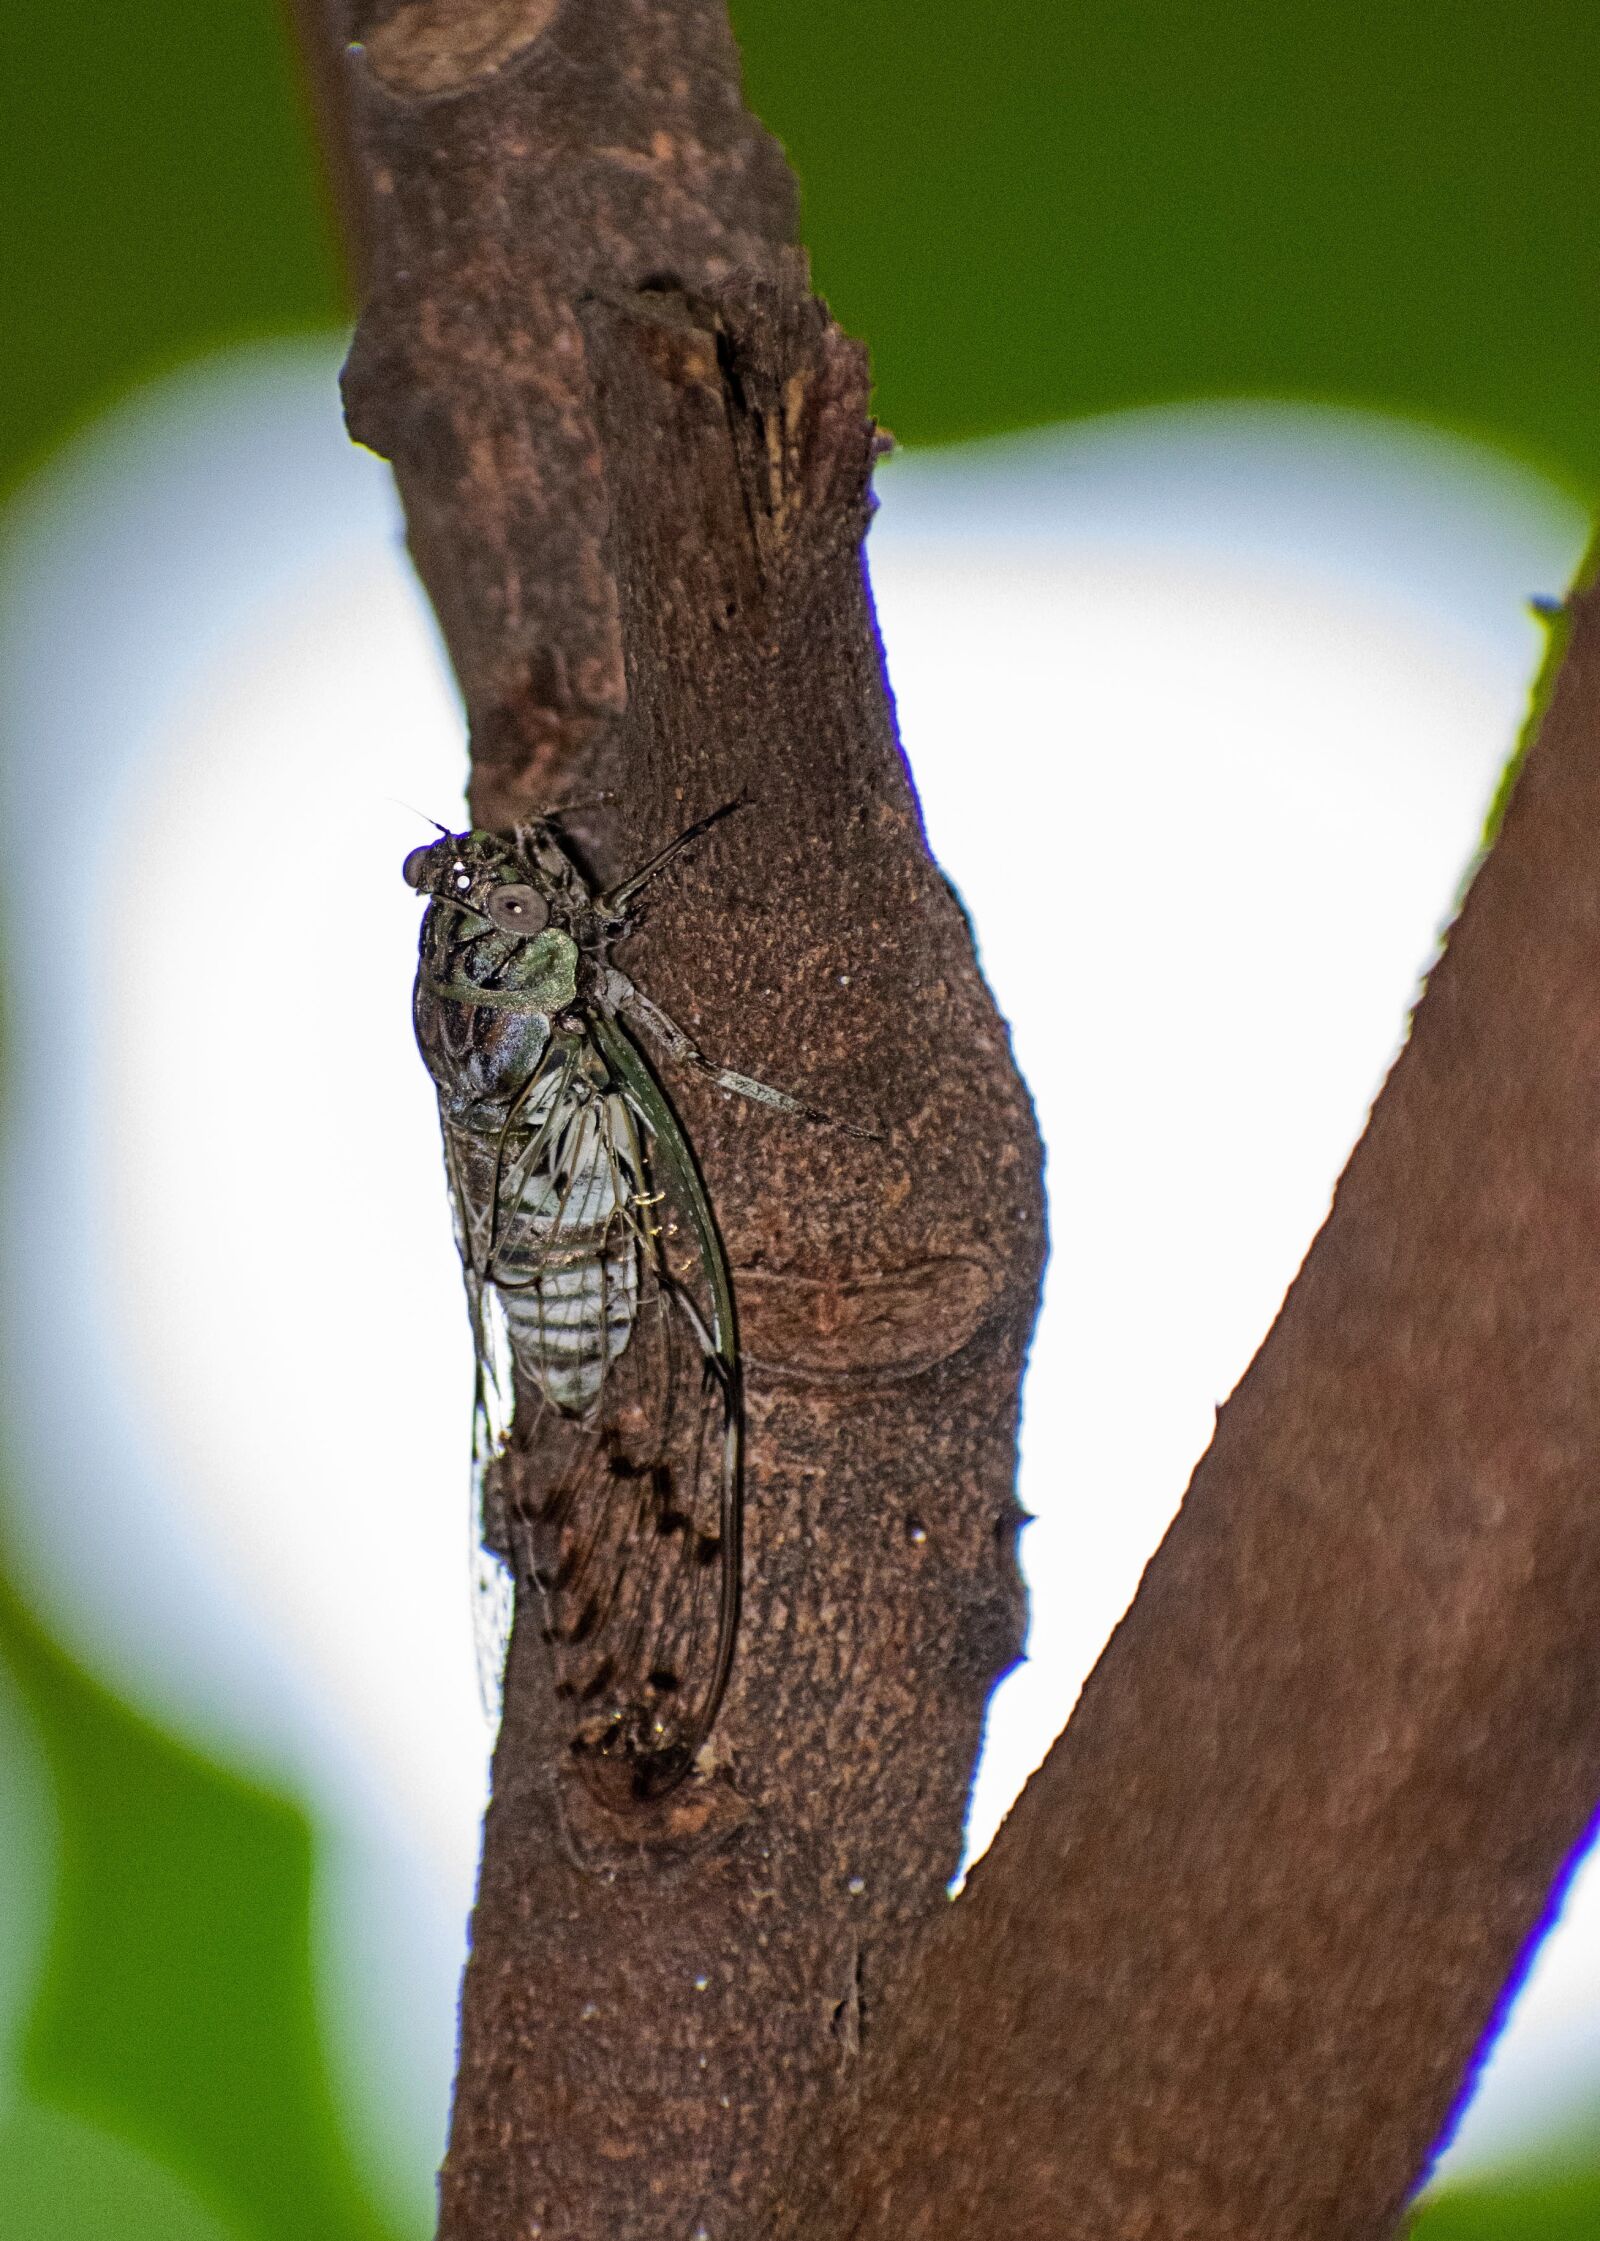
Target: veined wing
x: 493, y: 1590
x: 477, y: 1149
x: 617, y: 1485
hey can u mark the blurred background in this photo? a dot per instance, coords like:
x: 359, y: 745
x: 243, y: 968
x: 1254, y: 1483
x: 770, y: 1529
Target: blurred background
x: 1243, y: 364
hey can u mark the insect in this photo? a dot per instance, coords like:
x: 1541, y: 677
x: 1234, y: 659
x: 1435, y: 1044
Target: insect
x: 608, y: 1423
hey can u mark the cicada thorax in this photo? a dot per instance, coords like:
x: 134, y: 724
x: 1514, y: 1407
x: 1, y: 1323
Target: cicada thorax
x: 483, y: 1006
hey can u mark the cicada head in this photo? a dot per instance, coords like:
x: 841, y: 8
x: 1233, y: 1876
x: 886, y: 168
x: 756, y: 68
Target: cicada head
x: 521, y: 883
x: 498, y: 961
x: 465, y: 867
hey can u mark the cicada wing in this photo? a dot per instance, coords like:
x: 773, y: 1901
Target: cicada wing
x: 481, y: 1168
x: 618, y: 1523
x: 624, y: 1512
x: 490, y: 1575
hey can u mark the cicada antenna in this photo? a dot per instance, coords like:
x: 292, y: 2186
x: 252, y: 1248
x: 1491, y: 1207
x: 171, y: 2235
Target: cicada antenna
x: 446, y: 832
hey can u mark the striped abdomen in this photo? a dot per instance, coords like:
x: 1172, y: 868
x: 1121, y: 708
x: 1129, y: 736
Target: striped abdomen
x: 567, y: 1264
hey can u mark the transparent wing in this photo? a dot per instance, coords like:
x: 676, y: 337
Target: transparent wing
x: 493, y: 1594
x: 475, y: 1165
x: 615, y: 1483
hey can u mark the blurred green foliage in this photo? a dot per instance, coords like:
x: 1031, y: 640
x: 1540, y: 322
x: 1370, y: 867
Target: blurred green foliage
x: 60, y: 2180
x: 1049, y: 209
x: 160, y: 198
x: 175, y: 2010
x: 1031, y: 212
x: 1563, y: 2207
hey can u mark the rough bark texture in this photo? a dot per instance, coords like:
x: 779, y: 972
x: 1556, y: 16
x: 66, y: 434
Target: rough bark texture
x: 1227, y: 1966
x: 635, y: 455
x: 1230, y: 1958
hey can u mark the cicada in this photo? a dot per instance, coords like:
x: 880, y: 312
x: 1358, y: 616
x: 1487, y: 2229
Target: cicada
x: 608, y: 1432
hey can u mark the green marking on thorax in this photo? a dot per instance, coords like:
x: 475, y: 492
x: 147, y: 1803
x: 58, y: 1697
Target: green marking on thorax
x: 545, y: 978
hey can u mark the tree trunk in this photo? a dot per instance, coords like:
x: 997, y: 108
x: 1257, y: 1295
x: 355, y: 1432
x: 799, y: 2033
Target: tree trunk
x: 635, y: 455
x: 1230, y: 1957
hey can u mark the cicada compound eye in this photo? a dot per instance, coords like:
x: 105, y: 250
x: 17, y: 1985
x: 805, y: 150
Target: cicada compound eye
x: 415, y: 868
x: 517, y: 909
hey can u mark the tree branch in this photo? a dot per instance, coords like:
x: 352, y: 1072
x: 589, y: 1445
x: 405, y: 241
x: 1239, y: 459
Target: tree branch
x: 1232, y: 1953
x: 634, y: 454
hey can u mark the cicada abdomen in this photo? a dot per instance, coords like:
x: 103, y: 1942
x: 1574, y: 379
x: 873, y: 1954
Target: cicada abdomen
x: 564, y: 1250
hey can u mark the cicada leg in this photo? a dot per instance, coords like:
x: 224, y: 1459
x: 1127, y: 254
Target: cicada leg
x: 614, y: 904
x: 634, y: 1005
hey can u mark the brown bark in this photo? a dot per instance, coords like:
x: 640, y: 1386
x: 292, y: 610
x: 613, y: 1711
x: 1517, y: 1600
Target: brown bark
x: 1229, y: 1958
x: 635, y: 454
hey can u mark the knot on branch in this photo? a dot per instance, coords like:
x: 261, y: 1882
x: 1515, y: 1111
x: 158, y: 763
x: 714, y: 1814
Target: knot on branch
x: 427, y: 47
